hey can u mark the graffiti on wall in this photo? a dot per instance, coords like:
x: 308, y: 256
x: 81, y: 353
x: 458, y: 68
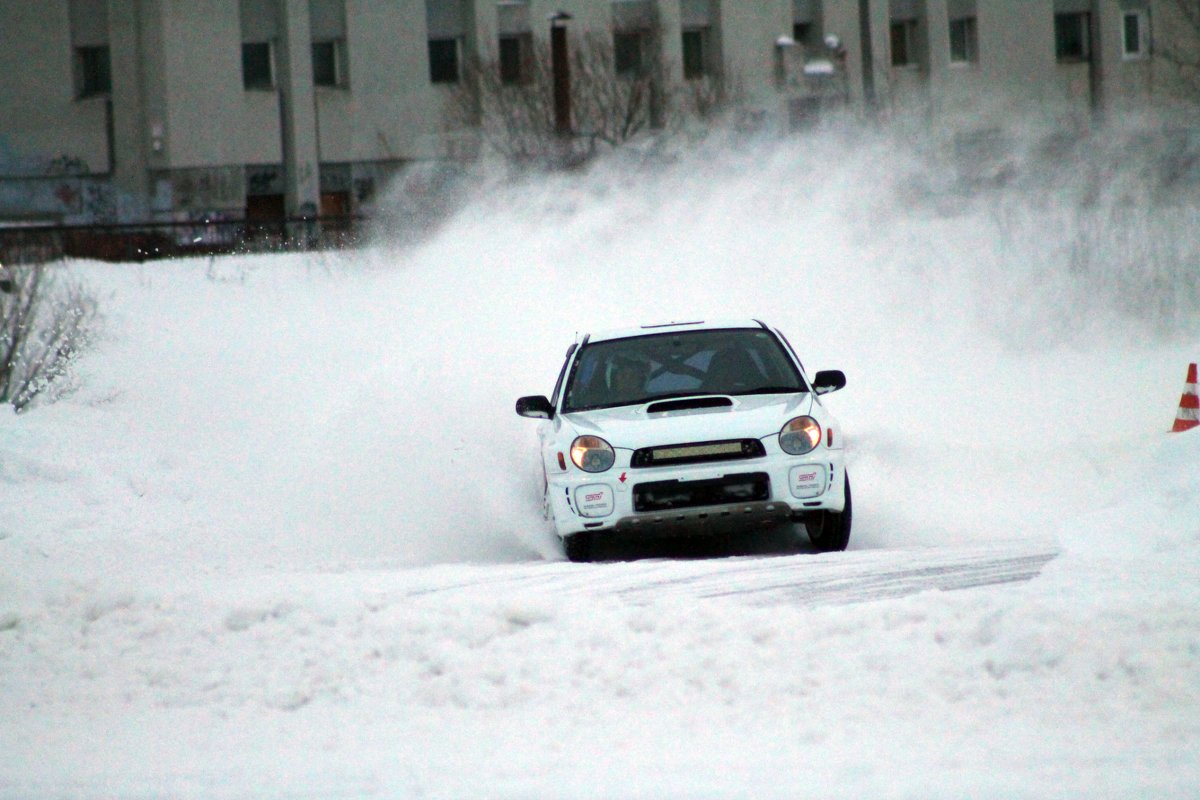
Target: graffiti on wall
x: 217, y: 187
x: 335, y: 178
x: 16, y: 164
x: 70, y: 200
x: 99, y: 202
x: 69, y: 196
x: 56, y: 185
x: 66, y: 164
x: 364, y: 189
x: 263, y: 180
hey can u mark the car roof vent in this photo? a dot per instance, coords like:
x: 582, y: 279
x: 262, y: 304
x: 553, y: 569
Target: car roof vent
x: 672, y: 324
x: 688, y: 403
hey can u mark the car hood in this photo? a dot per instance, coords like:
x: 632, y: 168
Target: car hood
x: 750, y: 417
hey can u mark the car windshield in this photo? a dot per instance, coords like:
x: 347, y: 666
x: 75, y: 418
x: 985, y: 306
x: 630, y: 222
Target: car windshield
x: 639, y: 369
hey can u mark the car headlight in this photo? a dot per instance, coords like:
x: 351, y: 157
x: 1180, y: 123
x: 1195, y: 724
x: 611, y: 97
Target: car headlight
x: 800, y: 436
x: 592, y: 454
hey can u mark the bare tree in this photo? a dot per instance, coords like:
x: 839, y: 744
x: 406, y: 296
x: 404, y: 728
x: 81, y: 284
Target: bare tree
x: 709, y: 97
x: 615, y: 102
x: 619, y: 90
x: 44, y: 324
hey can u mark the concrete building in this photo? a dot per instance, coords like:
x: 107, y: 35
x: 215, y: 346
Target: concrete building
x: 124, y: 110
x: 1065, y: 58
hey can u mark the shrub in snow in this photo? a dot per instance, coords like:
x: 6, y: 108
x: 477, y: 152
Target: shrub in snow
x: 44, y: 324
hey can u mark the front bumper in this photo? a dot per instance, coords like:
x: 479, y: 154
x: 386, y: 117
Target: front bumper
x: 697, y: 499
x: 705, y: 520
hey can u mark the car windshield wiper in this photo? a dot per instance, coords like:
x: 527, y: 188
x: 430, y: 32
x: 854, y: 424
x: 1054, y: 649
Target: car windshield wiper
x: 577, y: 409
x: 772, y: 390
x: 643, y: 401
x: 677, y: 395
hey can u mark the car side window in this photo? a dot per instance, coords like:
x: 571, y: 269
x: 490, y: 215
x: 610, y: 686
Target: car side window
x: 562, y: 374
x: 791, y: 349
x: 773, y: 363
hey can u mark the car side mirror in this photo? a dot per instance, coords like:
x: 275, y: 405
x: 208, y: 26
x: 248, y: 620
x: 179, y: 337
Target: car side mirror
x: 535, y: 406
x: 828, y: 380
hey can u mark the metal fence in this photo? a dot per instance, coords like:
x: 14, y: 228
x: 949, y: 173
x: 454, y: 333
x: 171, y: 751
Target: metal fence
x: 26, y: 244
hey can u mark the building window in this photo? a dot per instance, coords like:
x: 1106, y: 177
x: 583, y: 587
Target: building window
x: 93, y: 72
x: 807, y: 35
x: 1135, y: 35
x: 800, y: 32
x: 515, y: 53
x: 328, y: 59
x: 256, y: 65
x: 627, y: 53
x: 1072, y: 37
x: 443, y: 60
x: 335, y: 207
x: 904, y: 42
x: 695, y: 53
x: 964, y: 41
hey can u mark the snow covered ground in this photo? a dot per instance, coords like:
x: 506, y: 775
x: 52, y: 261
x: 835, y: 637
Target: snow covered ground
x: 284, y: 541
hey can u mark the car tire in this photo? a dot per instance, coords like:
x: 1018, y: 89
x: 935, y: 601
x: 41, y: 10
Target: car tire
x: 578, y: 547
x: 829, y: 531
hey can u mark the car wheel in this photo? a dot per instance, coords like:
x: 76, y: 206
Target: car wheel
x: 578, y: 546
x: 829, y: 531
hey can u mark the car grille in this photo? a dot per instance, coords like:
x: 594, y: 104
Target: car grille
x: 697, y: 453
x: 668, y: 495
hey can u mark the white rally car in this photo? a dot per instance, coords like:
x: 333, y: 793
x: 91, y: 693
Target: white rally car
x: 690, y: 428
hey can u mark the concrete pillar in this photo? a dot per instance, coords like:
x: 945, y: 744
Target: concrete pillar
x: 941, y: 80
x: 127, y: 112
x: 878, y: 22
x: 297, y: 110
x: 844, y: 21
x: 1099, y: 56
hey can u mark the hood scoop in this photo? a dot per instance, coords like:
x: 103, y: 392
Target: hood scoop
x: 689, y: 403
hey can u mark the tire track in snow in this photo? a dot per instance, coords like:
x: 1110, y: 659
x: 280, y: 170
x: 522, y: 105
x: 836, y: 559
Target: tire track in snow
x: 803, y: 580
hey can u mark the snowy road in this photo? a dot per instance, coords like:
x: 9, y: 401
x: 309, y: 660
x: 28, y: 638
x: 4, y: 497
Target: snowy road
x: 806, y: 579
x: 856, y: 576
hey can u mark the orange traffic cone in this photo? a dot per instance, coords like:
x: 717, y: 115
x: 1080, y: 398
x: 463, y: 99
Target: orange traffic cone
x: 1188, y: 415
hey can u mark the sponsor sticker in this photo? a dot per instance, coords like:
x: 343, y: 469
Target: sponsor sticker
x: 594, y: 500
x: 807, y: 481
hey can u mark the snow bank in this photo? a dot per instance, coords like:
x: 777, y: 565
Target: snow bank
x: 319, y: 684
